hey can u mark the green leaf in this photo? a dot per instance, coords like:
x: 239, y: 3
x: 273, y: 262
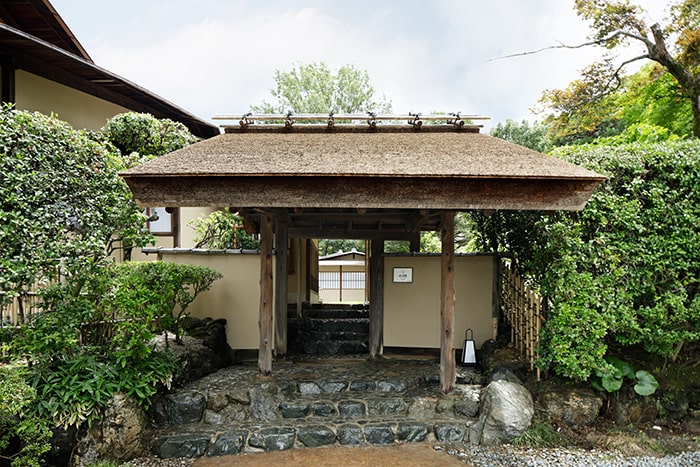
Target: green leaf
x: 646, y: 384
x: 611, y: 382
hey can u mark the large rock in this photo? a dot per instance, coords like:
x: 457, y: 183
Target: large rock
x: 117, y: 437
x: 506, y: 412
x: 574, y: 407
x: 628, y: 407
x: 178, y: 408
x: 203, y: 350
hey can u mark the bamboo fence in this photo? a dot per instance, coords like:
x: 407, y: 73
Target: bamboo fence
x: 521, y: 309
x: 10, y: 312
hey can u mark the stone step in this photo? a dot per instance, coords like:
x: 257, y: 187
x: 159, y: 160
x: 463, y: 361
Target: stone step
x: 337, y: 336
x: 334, y: 325
x: 335, y: 313
x: 335, y: 347
x: 196, y: 440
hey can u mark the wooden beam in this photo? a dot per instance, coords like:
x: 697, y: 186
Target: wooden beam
x: 350, y: 192
x: 356, y: 234
x: 281, y: 258
x: 266, y: 291
x: 447, y: 305
x: 376, y: 299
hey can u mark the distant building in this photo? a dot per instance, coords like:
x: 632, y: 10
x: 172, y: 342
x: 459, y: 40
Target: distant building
x: 341, y: 277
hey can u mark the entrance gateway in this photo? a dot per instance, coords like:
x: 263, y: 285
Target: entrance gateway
x: 311, y: 176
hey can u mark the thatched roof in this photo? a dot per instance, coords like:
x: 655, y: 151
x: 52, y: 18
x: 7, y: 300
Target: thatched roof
x: 433, y: 168
x: 368, y: 154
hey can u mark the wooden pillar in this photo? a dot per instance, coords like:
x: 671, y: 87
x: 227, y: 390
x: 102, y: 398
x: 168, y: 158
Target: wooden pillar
x: 447, y: 305
x: 266, y: 290
x: 415, y: 242
x: 376, y: 300
x: 281, y: 257
x: 300, y: 275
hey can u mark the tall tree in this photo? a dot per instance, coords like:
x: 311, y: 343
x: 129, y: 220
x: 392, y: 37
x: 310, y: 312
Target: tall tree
x: 315, y: 88
x: 619, y: 23
x: 533, y: 136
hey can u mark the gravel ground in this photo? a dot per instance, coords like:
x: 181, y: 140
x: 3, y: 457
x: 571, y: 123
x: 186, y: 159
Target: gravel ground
x: 510, y: 456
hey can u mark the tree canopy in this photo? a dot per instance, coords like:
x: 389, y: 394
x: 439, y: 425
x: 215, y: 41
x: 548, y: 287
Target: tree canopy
x: 533, y: 136
x: 315, y: 88
x: 584, y: 109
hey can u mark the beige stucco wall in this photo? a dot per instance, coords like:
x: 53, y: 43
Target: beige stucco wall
x: 81, y: 110
x: 236, y: 297
x: 412, y: 310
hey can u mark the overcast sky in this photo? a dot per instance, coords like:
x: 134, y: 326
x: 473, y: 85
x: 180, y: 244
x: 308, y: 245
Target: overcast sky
x: 219, y: 56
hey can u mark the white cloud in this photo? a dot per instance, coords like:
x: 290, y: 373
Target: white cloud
x: 214, y: 57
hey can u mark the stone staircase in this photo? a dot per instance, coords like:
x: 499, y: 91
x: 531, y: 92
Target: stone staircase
x: 343, y: 402
x: 329, y: 330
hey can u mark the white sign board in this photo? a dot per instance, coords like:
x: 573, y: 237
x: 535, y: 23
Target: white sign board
x: 403, y: 274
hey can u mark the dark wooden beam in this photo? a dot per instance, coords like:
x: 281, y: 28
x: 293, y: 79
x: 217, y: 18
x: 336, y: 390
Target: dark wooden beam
x: 355, y: 234
x: 351, y: 192
x: 281, y: 258
x: 376, y: 299
x: 7, y: 92
x: 266, y: 291
x: 447, y: 305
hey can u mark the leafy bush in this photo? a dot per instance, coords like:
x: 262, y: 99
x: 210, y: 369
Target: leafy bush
x: 146, y: 135
x: 223, y: 230
x: 64, y: 206
x: 610, y: 379
x: 625, y: 268
x: 86, y: 347
x: 23, y: 440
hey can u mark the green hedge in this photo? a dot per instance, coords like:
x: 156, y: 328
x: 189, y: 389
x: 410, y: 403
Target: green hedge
x: 626, y: 269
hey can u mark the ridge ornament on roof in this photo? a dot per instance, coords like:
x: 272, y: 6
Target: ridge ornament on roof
x: 373, y: 121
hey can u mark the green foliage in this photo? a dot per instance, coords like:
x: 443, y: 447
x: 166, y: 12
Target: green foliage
x: 652, y: 96
x: 329, y: 246
x: 23, y: 439
x: 62, y: 203
x: 611, y: 378
x: 533, y: 136
x: 223, y: 230
x: 624, y: 269
x: 146, y: 135
x: 541, y: 434
x: 587, y: 107
x: 156, y: 291
x: 315, y: 88
x: 86, y: 347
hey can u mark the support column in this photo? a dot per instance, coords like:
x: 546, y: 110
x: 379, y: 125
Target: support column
x: 266, y: 291
x: 447, y: 304
x: 415, y: 242
x: 299, y: 273
x: 281, y: 257
x: 376, y: 299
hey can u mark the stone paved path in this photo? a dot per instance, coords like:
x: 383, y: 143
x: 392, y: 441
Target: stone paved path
x: 405, y: 455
